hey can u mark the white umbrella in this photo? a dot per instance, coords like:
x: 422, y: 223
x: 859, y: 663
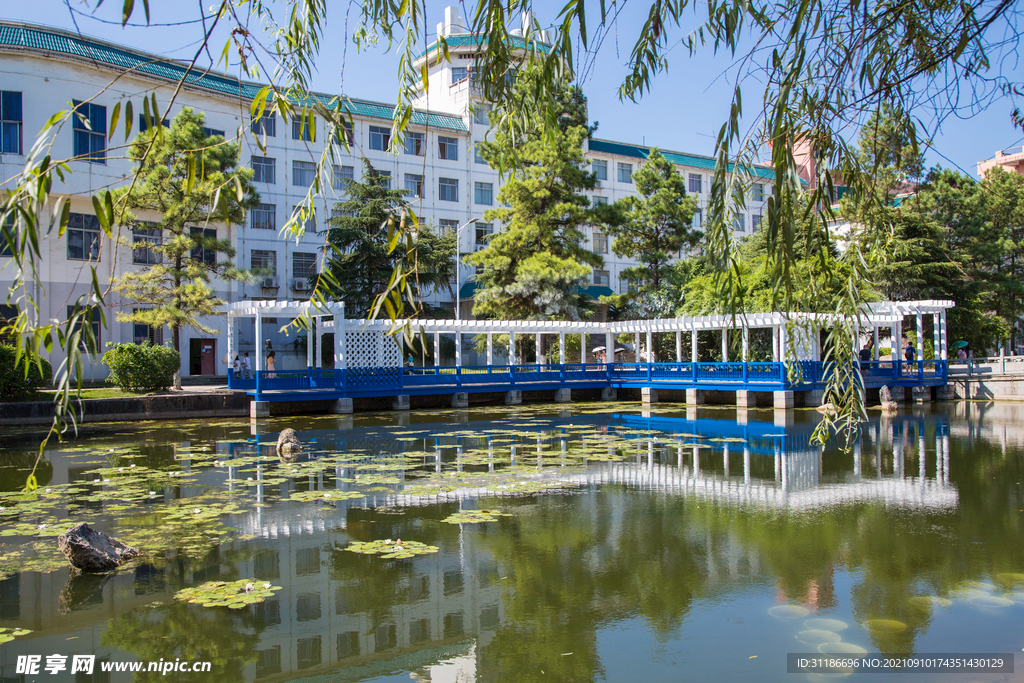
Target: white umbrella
x: 597, y: 348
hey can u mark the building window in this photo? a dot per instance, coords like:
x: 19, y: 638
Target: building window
x: 446, y: 226
x: 83, y: 237
x: 459, y: 73
x: 309, y: 222
x: 204, y: 251
x: 448, y: 189
x: 303, y: 173
x: 695, y: 180
x: 349, y: 136
x: 755, y: 222
x: 600, y: 243
x: 264, y: 261
x: 600, y: 201
x: 93, y: 319
x: 264, y: 170
x: 142, y: 333
x: 698, y: 218
x: 380, y: 138
x: 307, y: 607
x: 264, y: 217
x: 739, y: 223
x: 303, y: 128
x: 144, y: 123
x: 307, y: 561
x: 307, y: 652
x: 90, y: 130
x: 625, y: 173
x: 626, y: 286
x: 483, y: 233
x: 483, y: 194
x: 385, y: 178
x: 348, y: 644
x: 480, y: 114
x: 757, y: 192
x: 303, y: 265
x: 145, y: 236
x: 415, y: 144
x: 601, y: 277
x: 212, y: 132
x: 477, y: 156
x: 342, y: 176
x: 414, y: 184
x: 448, y: 148
x: 600, y: 168
x: 266, y: 124
x: 268, y: 662
x: 10, y: 122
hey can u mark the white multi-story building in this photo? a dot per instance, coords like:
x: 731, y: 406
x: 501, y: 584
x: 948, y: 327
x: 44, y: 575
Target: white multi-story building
x: 45, y: 69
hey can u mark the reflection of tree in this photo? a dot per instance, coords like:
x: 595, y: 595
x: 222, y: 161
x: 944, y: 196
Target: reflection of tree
x: 226, y: 638
x: 15, y: 468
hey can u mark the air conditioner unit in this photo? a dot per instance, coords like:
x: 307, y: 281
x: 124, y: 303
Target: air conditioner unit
x: 300, y: 284
x: 598, y: 185
x: 270, y: 283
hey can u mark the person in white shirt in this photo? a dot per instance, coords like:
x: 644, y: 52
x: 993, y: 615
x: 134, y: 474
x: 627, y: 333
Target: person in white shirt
x: 246, y: 367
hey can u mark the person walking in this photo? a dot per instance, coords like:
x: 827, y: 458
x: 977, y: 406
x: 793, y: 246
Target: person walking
x: 271, y: 359
x: 236, y: 365
x: 246, y: 366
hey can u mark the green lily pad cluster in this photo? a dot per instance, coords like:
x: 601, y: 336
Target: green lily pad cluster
x: 388, y: 549
x: 475, y: 516
x: 230, y: 594
x: 9, y: 634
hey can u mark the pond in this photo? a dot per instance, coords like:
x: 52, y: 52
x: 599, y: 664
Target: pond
x: 598, y: 542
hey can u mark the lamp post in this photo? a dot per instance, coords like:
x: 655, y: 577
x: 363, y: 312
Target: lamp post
x: 458, y: 267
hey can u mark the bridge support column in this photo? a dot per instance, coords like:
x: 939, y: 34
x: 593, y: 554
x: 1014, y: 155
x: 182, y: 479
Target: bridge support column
x: 342, y: 406
x: 460, y: 400
x: 814, y: 398
x: 609, y: 394
x: 783, y: 400
x: 944, y: 393
x: 921, y: 394
x: 745, y: 399
x: 649, y: 395
x: 401, y: 402
x: 259, y: 409
x: 563, y: 395
x: 514, y: 397
x: 694, y: 397
x: 783, y: 418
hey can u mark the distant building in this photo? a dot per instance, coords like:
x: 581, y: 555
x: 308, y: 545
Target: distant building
x: 450, y: 185
x: 1009, y: 159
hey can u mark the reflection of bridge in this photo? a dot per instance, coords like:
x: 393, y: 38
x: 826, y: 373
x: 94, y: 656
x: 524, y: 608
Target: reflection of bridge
x: 366, y: 362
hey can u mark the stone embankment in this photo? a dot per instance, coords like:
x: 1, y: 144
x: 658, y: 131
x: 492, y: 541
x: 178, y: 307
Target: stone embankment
x: 186, y: 404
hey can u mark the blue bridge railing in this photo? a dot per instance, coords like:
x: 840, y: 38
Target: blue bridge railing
x: 755, y: 376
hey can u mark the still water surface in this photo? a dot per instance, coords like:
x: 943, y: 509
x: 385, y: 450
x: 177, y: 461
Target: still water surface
x: 657, y: 546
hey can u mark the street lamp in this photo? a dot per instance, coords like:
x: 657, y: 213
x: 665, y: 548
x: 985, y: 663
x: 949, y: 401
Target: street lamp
x: 458, y: 267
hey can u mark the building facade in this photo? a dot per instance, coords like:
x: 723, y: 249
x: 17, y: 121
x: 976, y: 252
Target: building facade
x: 449, y: 184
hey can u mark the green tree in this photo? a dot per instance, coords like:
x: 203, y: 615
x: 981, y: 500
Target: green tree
x: 535, y: 267
x: 361, y: 257
x: 186, y: 182
x: 655, y: 225
x: 1001, y: 248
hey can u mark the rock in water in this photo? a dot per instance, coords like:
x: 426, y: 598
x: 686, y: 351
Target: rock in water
x: 885, y: 397
x: 288, y: 442
x: 92, y: 551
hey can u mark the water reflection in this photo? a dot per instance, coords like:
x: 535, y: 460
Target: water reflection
x: 675, y: 542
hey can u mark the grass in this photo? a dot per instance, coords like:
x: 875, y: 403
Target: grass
x: 106, y: 392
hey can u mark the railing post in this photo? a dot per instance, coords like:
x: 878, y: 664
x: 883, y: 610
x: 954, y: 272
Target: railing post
x: 258, y: 373
x: 561, y: 372
x: 746, y: 376
x: 650, y: 371
x: 458, y: 375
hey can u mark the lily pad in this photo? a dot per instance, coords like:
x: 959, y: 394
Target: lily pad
x: 9, y: 634
x: 839, y: 648
x: 475, y: 516
x: 827, y: 624
x: 817, y: 636
x: 1010, y: 579
x: 789, y: 611
x: 391, y: 549
x: 231, y: 594
x: 992, y: 601
x: 927, y: 601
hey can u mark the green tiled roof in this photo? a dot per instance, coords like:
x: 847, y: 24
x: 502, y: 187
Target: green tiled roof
x: 692, y: 160
x: 593, y: 291
x: 58, y: 42
x: 473, y: 39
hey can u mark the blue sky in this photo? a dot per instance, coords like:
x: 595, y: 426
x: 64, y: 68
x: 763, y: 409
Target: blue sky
x: 683, y: 111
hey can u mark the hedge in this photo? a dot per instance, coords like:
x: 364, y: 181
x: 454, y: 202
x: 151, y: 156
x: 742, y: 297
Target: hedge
x: 14, y: 384
x: 141, y: 367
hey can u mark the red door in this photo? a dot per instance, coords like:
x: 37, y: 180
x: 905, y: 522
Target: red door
x: 208, y: 356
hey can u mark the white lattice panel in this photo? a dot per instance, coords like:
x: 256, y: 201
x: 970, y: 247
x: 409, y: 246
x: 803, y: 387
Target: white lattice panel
x: 371, y: 349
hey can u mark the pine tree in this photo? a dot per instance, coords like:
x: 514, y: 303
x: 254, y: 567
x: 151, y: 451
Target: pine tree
x: 359, y: 264
x: 535, y: 267
x: 187, y: 187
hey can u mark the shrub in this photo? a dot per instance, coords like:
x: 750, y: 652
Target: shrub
x: 14, y: 384
x: 141, y: 367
